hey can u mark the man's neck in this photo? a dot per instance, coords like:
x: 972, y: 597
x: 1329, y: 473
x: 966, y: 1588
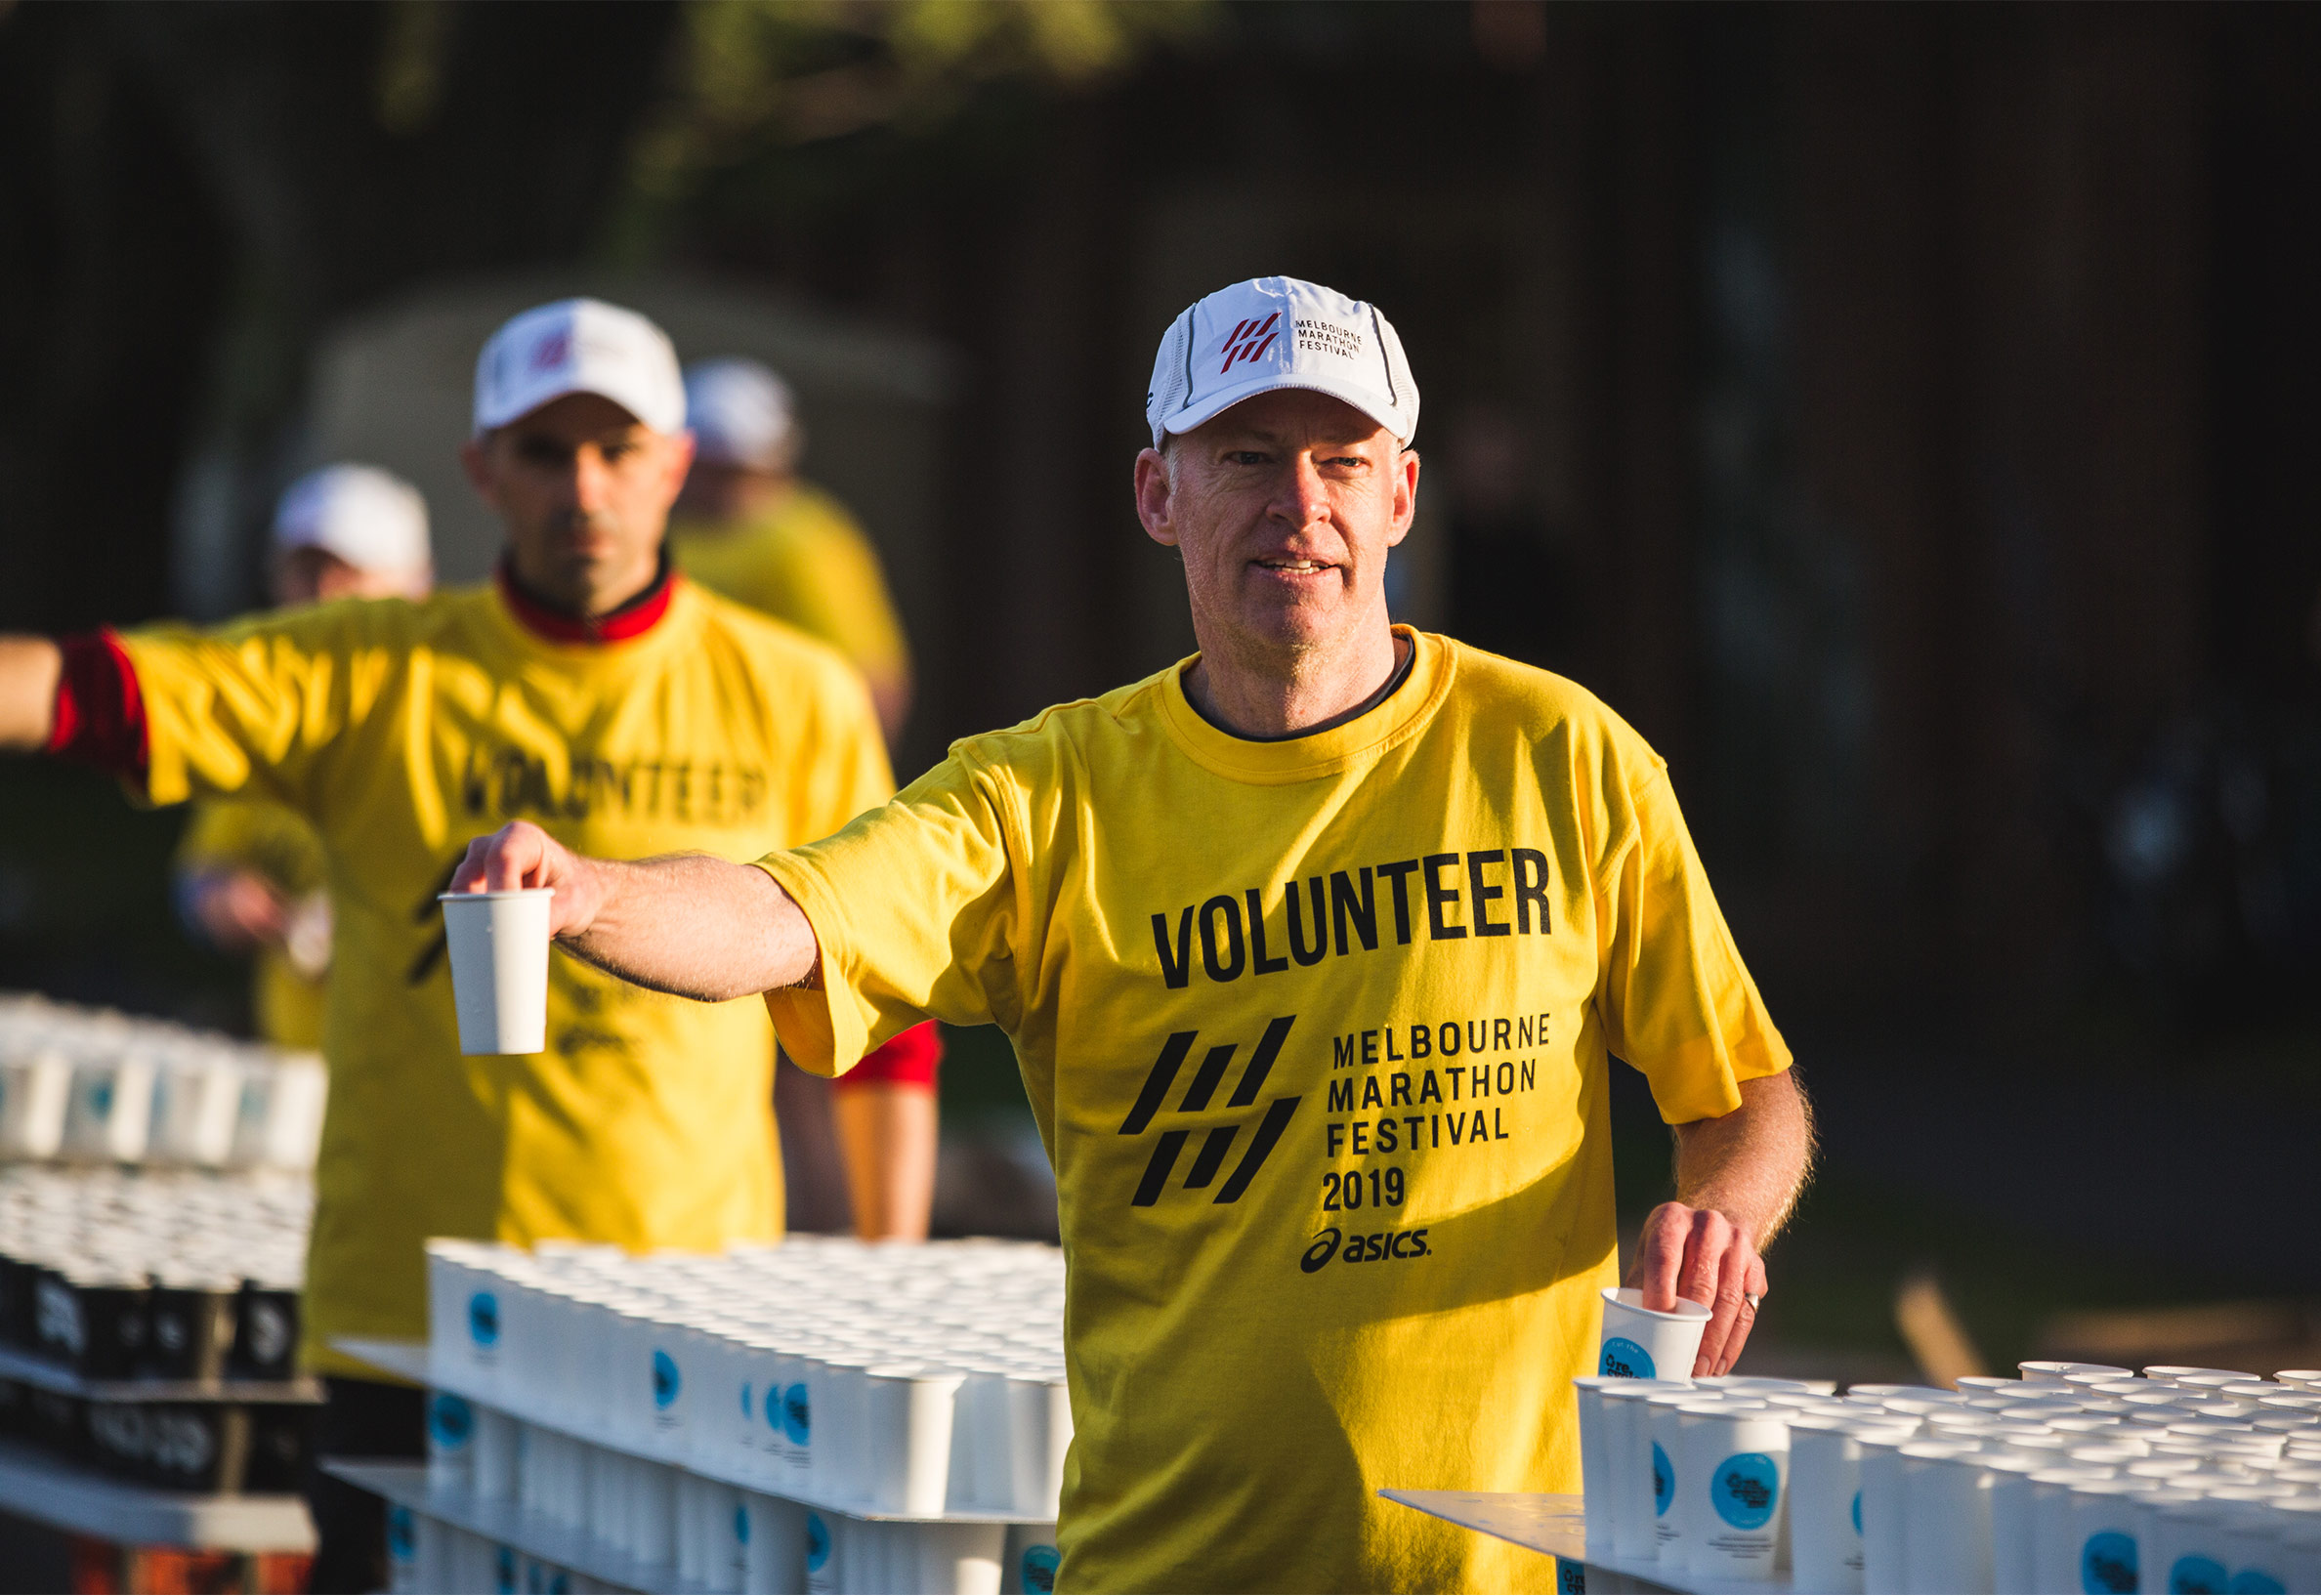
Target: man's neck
x: 549, y: 616
x: 1295, y: 695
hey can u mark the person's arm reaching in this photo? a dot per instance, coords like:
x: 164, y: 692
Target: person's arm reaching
x: 1738, y: 1176
x: 687, y: 924
x: 29, y: 670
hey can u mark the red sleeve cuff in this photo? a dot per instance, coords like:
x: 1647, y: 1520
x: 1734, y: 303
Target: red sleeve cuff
x: 909, y: 1060
x: 100, y: 715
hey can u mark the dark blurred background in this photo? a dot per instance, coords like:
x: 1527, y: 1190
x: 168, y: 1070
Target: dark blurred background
x: 1904, y: 415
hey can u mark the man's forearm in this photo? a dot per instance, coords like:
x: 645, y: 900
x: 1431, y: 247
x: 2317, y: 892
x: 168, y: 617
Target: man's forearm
x: 29, y: 667
x: 1750, y: 1164
x: 698, y: 927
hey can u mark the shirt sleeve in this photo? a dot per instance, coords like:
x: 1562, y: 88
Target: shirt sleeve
x: 1674, y: 998
x: 917, y: 906
x: 251, y: 708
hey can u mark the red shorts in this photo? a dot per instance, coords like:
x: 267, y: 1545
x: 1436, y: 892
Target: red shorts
x: 909, y: 1060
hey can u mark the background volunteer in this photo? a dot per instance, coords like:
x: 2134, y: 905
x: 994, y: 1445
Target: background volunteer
x: 749, y: 527
x: 1313, y: 949
x: 586, y: 687
x: 251, y: 875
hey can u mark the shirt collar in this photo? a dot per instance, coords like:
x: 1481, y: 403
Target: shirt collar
x: 545, y: 619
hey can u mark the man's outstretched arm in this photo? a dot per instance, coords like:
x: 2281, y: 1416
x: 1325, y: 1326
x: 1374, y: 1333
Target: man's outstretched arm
x: 29, y: 667
x: 1737, y: 1179
x: 687, y: 924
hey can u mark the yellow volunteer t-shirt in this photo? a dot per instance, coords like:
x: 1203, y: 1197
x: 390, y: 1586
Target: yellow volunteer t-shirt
x: 807, y: 564
x: 233, y: 834
x: 401, y: 730
x: 1316, y: 1033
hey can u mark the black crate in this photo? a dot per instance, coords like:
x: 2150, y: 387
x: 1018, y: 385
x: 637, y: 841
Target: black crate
x: 17, y: 1277
x: 54, y: 1419
x: 265, y: 1333
x: 95, y: 1326
x: 190, y: 1332
x: 212, y: 1447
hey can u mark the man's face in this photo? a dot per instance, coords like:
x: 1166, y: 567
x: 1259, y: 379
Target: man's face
x: 584, y: 489
x: 1282, y: 509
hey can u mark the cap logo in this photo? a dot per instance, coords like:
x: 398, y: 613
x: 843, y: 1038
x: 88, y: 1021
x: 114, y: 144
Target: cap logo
x: 552, y: 351
x: 1248, y: 340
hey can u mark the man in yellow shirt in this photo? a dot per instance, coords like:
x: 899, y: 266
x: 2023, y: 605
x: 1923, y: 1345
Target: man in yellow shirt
x: 587, y: 688
x: 1314, y: 948
x: 251, y: 874
x: 748, y: 525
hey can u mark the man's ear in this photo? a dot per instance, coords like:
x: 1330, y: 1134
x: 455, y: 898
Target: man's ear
x: 1153, y: 491
x: 1406, y: 496
x: 477, y: 463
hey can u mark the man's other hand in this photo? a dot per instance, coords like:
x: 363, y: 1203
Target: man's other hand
x: 1700, y: 1254
x: 237, y: 910
x: 520, y: 855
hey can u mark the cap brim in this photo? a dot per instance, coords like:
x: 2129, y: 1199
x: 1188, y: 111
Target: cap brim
x: 1225, y: 399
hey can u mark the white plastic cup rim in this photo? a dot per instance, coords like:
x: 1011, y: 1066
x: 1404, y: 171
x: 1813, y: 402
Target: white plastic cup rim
x: 1632, y: 1299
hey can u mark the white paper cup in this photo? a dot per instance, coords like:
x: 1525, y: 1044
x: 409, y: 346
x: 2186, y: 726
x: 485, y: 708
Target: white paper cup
x: 1627, y: 1436
x: 33, y: 1091
x: 450, y: 1444
x: 498, y: 942
x: 2051, y: 1373
x: 1735, y: 1476
x: 280, y: 1126
x: 2300, y: 1543
x: 1946, y: 1518
x: 1659, y: 1434
x: 774, y: 1547
x: 909, y: 1439
x: 1595, y: 1467
x: 1638, y: 1343
x: 494, y: 1461
x: 1881, y: 1504
x: 825, y: 1556
x: 960, y: 1558
x: 2104, y: 1523
x: 655, y: 1514
x: 1825, y: 1494
x: 110, y: 1111
x: 1039, y: 1434
x: 1029, y: 1567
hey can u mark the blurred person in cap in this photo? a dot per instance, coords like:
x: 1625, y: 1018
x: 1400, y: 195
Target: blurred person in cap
x: 251, y: 876
x: 586, y: 687
x: 749, y: 526
x: 1315, y: 948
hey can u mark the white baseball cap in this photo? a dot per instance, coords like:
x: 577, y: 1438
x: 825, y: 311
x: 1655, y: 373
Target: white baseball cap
x: 1279, y: 332
x: 580, y: 345
x: 371, y: 518
x: 740, y: 413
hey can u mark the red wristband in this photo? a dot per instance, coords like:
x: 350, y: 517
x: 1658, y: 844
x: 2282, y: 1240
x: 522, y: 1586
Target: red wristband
x: 909, y: 1060
x: 99, y: 717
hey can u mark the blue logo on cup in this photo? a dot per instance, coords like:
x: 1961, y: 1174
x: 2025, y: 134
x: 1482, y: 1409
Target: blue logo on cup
x: 1664, y: 1480
x: 101, y: 1096
x: 450, y: 1420
x: 2107, y: 1562
x: 1038, y: 1569
x: 1745, y: 1489
x: 745, y: 1407
x: 741, y: 1523
x: 2196, y: 1572
x: 797, y: 1414
x: 402, y: 1536
x: 665, y: 1382
x: 483, y: 1318
x: 504, y: 1571
x: 817, y: 1543
x: 1857, y: 1512
x: 1624, y: 1359
x: 2257, y: 1581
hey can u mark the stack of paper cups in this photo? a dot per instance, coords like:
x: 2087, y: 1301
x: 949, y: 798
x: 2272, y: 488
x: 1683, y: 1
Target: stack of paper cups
x: 1627, y: 1449
x: 1644, y: 1344
x: 1825, y: 1498
x: 1595, y: 1468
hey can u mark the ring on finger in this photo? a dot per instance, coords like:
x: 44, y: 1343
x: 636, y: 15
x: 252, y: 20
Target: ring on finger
x: 1753, y: 1298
